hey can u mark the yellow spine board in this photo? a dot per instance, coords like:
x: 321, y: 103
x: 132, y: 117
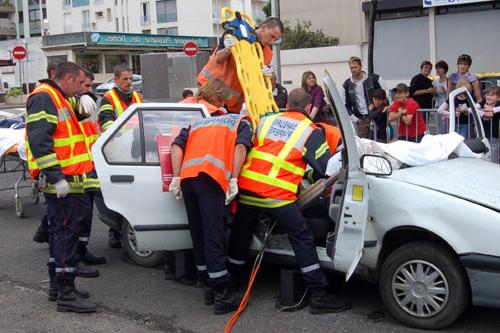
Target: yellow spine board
x: 257, y: 87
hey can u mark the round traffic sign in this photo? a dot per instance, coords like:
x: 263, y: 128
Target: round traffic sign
x: 190, y: 48
x: 19, y: 52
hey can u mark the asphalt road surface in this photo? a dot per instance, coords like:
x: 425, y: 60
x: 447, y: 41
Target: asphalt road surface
x: 137, y: 299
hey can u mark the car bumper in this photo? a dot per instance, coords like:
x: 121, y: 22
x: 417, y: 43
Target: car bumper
x: 484, y: 277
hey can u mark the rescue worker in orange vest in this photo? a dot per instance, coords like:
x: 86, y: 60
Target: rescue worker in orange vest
x: 113, y: 104
x: 56, y: 148
x: 269, y: 182
x: 206, y: 161
x: 221, y: 64
x: 87, y: 107
x: 84, y: 104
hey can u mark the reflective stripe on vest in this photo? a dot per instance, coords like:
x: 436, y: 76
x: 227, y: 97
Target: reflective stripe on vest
x: 70, y: 150
x: 210, y: 148
x: 280, y: 181
x: 120, y: 105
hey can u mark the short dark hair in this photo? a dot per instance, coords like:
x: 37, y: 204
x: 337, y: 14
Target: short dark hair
x: 425, y: 63
x: 67, y: 67
x: 89, y: 74
x: 298, y: 99
x: 464, y: 58
x: 187, y: 93
x: 52, y: 66
x: 273, y: 22
x: 442, y: 64
x: 119, y: 69
x: 400, y: 88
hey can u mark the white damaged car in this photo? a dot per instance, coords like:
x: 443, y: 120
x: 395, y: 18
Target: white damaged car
x: 428, y: 235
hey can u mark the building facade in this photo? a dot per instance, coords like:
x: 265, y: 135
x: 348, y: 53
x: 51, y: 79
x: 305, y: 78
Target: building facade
x: 163, y: 17
x: 7, y: 20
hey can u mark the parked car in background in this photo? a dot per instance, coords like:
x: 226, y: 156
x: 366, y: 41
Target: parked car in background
x: 136, y: 85
x: 489, y: 79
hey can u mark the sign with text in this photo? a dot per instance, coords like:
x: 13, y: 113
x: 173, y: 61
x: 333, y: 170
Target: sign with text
x: 435, y: 3
x: 119, y: 39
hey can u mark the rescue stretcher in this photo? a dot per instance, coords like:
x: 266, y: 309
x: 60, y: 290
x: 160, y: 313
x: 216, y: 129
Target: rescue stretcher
x: 249, y: 59
x: 13, y: 161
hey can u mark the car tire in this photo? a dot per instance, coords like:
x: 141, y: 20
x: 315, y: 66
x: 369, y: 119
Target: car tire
x: 141, y: 258
x: 423, y: 285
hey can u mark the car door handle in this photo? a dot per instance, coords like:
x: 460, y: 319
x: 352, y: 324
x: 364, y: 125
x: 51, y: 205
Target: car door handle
x: 121, y: 178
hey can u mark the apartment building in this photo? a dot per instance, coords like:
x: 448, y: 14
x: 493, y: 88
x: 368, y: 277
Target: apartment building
x: 7, y: 20
x: 163, y: 17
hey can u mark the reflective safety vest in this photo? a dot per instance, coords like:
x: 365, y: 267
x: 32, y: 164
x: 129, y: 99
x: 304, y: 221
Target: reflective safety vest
x: 210, y: 148
x: 118, y: 105
x: 332, y: 135
x: 89, y: 129
x: 275, y: 165
x: 70, y: 148
x: 226, y: 71
x: 193, y: 99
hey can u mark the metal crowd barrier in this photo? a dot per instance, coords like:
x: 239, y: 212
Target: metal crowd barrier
x: 439, y: 124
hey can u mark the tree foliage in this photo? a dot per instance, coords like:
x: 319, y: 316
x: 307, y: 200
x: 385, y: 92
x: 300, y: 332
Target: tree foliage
x: 267, y: 9
x: 301, y: 37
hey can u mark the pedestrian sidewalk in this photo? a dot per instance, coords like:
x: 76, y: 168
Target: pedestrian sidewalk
x: 4, y: 106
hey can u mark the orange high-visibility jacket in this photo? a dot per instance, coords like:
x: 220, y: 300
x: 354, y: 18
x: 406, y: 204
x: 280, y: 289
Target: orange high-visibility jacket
x: 70, y: 148
x: 118, y: 105
x: 226, y: 71
x: 332, y: 135
x: 275, y: 165
x: 210, y: 148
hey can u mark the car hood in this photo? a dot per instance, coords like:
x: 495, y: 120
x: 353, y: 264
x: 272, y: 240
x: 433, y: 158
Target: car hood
x: 467, y: 178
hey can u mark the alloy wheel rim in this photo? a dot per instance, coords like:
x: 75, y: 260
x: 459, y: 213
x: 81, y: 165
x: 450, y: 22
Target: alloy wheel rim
x: 420, y: 288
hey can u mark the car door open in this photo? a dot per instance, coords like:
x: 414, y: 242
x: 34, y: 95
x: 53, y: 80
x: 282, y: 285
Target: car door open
x: 350, y: 195
x: 128, y: 167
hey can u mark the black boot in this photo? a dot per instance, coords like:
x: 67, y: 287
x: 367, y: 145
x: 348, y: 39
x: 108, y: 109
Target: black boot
x: 53, y: 291
x: 42, y: 233
x: 323, y: 302
x: 85, y: 271
x: 69, y: 300
x: 91, y: 259
x: 224, y: 300
x: 114, y: 239
x: 208, y: 295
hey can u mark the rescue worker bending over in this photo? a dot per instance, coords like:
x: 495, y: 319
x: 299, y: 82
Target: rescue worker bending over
x: 112, y: 105
x: 56, y: 147
x: 221, y: 65
x: 206, y: 160
x: 268, y: 183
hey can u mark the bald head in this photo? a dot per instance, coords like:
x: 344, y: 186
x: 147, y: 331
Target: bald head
x: 298, y: 99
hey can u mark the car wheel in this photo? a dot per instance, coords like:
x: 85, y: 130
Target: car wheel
x: 142, y: 258
x: 423, y: 285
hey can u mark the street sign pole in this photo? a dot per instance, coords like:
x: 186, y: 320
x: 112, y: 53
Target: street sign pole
x: 26, y: 64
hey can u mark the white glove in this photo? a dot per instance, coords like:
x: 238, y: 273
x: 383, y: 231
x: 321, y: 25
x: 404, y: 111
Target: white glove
x: 175, y: 188
x: 229, y: 42
x: 267, y: 71
x: 62, y: 188
x: 354, y: 119
x: 232, y: 190
x: 87, y: 106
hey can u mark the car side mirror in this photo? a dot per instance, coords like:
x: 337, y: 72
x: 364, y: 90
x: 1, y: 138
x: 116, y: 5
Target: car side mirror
x: 376, y: 165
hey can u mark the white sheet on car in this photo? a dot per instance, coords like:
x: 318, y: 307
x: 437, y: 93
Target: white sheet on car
x: 10, y: 137
x: 433, y: 148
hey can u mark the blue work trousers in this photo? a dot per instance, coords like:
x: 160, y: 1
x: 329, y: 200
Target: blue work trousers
x: 291, y: 221
x: 204, y: 201
x: 66, y: 216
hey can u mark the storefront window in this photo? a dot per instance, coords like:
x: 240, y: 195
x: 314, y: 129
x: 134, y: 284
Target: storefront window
x: 113, y: 60
x: 136, y: 63
x: 90, y: 62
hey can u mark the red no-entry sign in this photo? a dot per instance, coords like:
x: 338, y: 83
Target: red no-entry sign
x: 19, y: 52
x: 190, y: 48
